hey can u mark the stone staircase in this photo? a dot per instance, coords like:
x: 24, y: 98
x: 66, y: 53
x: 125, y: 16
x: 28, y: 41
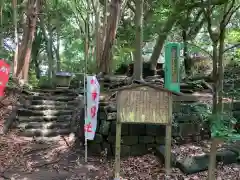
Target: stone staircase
x: 50, y: 114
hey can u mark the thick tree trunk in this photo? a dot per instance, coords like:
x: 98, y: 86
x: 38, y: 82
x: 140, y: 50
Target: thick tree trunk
x: 138, y: 65
x: 113, y: 18
x: 162, y: 36
x: 48, y: 48
x: 32, y: 11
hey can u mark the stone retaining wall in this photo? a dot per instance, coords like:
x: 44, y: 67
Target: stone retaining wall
x: 189, y: 125
x: 137, y: 139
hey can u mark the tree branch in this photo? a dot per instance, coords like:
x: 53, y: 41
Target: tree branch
x: 232, y: 47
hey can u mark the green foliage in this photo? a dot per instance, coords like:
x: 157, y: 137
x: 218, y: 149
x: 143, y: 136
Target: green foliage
x: 222, y: 126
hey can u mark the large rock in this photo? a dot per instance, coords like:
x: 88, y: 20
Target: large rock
x: 227, y: 156
x: 138, y: 149
x: 137, y: 129
x: 146, y: 139
x: 160, y: 152
x: 124, y: 151
x: 124, y: 130
x: 129, y: 140
x: 155, y: 130
x: 193, y: 164
x: 104, y: 127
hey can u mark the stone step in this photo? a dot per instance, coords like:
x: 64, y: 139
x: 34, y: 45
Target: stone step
x: 44, y: 125
x: 27, y: 112
x: 44, y: 132
x: 51, y: 107
x: 43, y: 118
x: 236, y: 105
x: 54, y: 98
x: 52, y: 102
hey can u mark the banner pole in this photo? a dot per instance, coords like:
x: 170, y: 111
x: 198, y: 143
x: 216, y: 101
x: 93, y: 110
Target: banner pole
x: 85, y: 115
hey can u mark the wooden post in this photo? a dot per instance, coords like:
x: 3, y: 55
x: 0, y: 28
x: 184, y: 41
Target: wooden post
x: 118, y: 150
x: 168, y: 138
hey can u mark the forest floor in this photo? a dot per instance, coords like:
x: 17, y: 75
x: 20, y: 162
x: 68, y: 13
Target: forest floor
x: 30, y: 160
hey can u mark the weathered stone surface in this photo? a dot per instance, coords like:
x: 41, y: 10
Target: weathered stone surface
x: 102, y: 115
x: 137, y: 129
x: 112, y: 116
x: 187, y: 129
x: 111, y: 139
x: 95, y: 148
x: 160, y: 152
x: 129, y: 140
x: 46, y: 125
x: 98, y: 138
x: 44, y: 132
x: 227, y: 157
x: 125, y: 150
x: 187, y: 118
x: 146, y: 139
x: 104, y: 127
x: 124, y: 130
x: 194, y: 164
x: 236, y: 114
x: 138, y: 149
x: 151, y: 147
x: 236, y: 105
x: 151, y: 130
x: 160, y: 140
x: 107, y: 147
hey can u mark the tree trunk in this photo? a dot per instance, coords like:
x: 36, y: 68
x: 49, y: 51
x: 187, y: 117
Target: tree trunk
x: 57, y: 52
x: 138, y: 65
x: 161, y: 39
x: 187, y: 59
x: 15, y: 59
x: 106, y: 56
x: 221, y: 70
x: 35, y: 53
x: 49, y: 49
x: 32, y: 11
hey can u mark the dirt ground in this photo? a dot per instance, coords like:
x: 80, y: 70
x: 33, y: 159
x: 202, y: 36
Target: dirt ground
x: 21, y: 159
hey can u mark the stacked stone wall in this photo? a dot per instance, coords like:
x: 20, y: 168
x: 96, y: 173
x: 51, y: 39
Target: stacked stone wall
x: 138, y: 139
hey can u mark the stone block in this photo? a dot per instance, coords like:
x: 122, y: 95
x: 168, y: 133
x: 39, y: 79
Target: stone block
x: 129, y: 140
x: 151, y: 130
x: 95, y: 148
x: 187, y: 129
x: 160, y: 152
x: 137, y: 129
x: 98, y: 138
x: 151, y: 147
x: 111, y: 139
x: 104, y: 127
x: 227, y: 157
x: 106, y: 146
x: 236, y: 106
x: 112, y: 116
x: 138, y: 149
x: 160, y: 140
x: 146, y: 139
x: 161, y: 130
x: 188, y: 118
x: 125, y: 150
x: 194, y: 164
x: 102, y: 115
x: 124, y: 130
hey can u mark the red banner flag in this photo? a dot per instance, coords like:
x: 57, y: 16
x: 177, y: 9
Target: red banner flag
x: 4, y: 75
